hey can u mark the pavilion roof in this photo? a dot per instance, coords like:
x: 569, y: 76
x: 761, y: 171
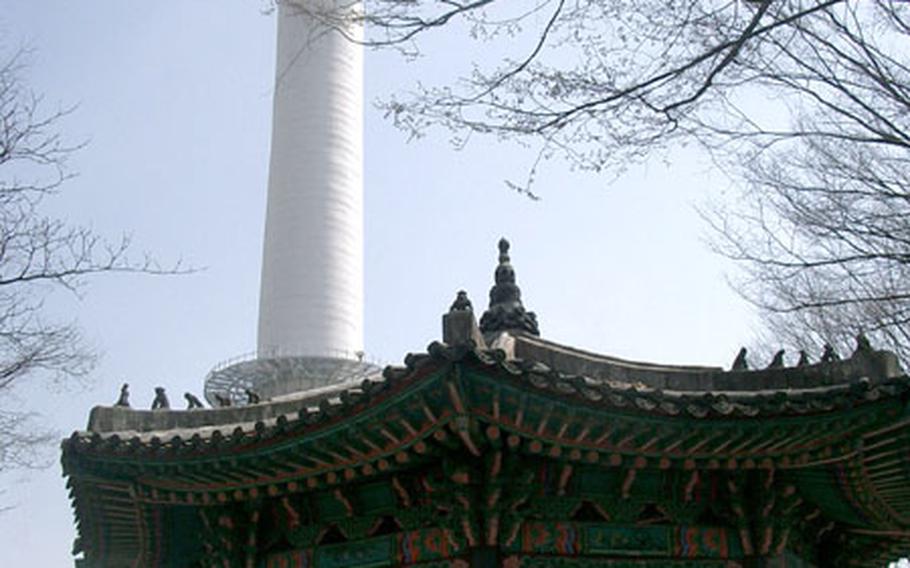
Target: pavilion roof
x: 839, y: 430
x: 372, y: 428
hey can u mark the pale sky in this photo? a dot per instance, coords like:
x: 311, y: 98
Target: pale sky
x: 174, y: 98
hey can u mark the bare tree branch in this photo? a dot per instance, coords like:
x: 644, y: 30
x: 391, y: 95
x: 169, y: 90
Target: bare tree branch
x: 804, y: 103
x: 38, y: 254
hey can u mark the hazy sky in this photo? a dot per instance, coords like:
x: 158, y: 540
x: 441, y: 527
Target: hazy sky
x: 174, y: 99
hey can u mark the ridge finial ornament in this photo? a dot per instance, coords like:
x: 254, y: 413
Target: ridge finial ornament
x: 504, y: 251
x: 506, y: 311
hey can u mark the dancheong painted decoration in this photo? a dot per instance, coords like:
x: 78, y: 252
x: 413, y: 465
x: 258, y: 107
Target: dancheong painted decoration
x: 498, y: 448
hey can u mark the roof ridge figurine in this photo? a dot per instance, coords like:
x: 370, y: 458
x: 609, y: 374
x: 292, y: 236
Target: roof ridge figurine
x: 863, y: 346
x: 252, y: 397
x: 160, y: 402
x: 740, y: 363
x: 778, y: 361
x: 124, y: 399
x: 461, y: 303
x: 506, y: 312
x: 191, y: 401
x: 829, y: 355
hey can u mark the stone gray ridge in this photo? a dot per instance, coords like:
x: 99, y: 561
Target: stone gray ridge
x: 699, y: 392
x: 870, y: 364
x: 506, y: 312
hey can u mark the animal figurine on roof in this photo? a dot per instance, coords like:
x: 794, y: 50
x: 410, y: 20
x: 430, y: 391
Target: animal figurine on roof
x: 740, y: 363
x: 830, y: 355
x: 461, y: 303
x: 252, y: 397
x: 191, y: 401
x: 223, y: 401
x: 124, y: 399
x: 778, y: 361
x: 160, y: 402
x: 863, y: 346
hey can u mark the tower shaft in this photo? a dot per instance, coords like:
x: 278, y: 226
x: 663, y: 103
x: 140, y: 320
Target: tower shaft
x: 311, y: 298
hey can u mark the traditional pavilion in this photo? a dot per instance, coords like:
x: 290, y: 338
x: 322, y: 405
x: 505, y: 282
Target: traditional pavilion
x: 496, y: 447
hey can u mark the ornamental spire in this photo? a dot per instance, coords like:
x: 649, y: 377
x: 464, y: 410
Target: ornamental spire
x: 506, y: 312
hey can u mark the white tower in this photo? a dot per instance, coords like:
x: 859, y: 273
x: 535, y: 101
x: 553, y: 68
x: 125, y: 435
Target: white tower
x: 311, y: 299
